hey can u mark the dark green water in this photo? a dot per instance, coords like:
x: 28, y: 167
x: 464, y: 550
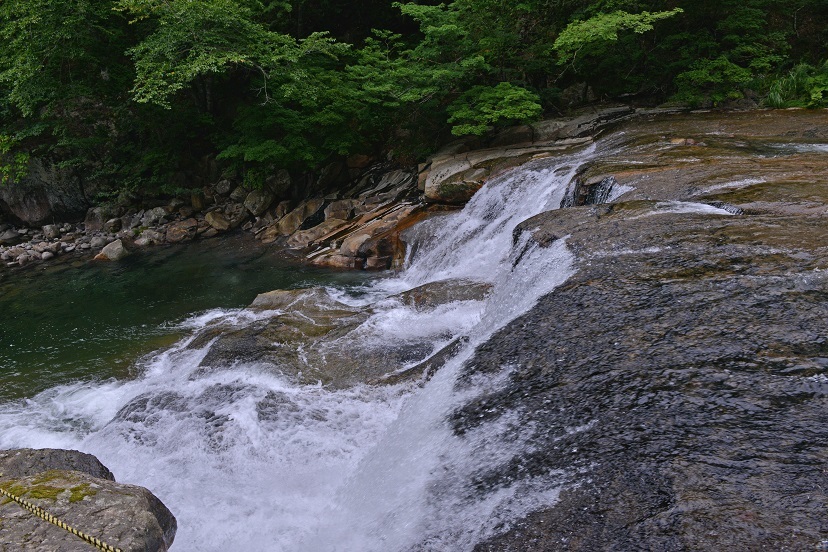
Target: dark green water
x: 92, y: 320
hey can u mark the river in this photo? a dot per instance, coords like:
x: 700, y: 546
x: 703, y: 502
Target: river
x: 99, y: 359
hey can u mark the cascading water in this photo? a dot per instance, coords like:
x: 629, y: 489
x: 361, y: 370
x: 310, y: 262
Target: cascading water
x: 249, y: 459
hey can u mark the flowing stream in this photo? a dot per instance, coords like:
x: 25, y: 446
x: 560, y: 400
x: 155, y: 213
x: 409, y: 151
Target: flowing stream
x: 249, y: 459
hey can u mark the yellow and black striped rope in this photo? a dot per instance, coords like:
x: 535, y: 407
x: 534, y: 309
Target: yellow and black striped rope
x: 43, y: 514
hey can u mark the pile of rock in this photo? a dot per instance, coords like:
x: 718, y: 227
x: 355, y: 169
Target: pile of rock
x: 20, y: 246
x: 357, y: 229
x: 350, y: 214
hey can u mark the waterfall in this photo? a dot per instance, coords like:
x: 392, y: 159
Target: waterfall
x: 248, y: 459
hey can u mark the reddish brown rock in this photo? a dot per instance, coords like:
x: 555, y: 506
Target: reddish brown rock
x: 182, y: 231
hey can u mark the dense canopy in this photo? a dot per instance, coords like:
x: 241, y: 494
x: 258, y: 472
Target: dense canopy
x: 131, y: 93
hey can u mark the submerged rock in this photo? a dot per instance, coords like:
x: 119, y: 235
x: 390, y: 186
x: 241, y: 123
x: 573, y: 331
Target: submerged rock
x: 80, y: 491
x: 429, y: 296
x: 314, y: 338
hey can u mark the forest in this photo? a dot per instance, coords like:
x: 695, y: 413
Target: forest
x: 134, y: 94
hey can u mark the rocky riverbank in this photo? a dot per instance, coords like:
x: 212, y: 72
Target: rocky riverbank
x: 350, y: 215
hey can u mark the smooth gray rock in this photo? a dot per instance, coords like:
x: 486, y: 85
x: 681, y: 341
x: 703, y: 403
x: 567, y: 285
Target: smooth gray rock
x: 26, y: 462
x: 98, y: 241
x: 10, y: 237
x: 115, y: 251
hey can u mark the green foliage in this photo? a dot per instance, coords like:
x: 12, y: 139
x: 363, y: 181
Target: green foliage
x: 718, y: 79
x: 13, y: 164
x: 602, y: 28
x: 484, y: 106
x: 193, y: 39
x: 803, y: 86
x: 135, y: 94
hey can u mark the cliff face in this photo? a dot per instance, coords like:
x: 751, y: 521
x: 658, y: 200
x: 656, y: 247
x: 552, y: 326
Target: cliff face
x: 47, y: 195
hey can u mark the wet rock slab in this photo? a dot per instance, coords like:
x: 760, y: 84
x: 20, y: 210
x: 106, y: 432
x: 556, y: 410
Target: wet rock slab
x: 80, y: 491
x: 679, y: 379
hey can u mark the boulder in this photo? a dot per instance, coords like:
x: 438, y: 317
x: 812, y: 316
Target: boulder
x: 149, y: 237
x: 291, y: 222
x: 279, y: 184
x: 292, y: 299
x: 458, y: 189
x: 10, y: 237
x: 303, y: 238
x: 589, y: 122
x: 239, y: 194
x: 378, y: 263
x: 97, y: 216
x: 115, y: 251
x: 113, y: 225
x: 350, y: 245
x: 49, y: 192
x: 81, y: 492
x: 27, y: 462
x: 342, y: 209
x: 308, y: 339
x: 42, y: 247
x: 397, y: 179
x: 182, y: 231
x: 336, y: 260
x: 434, y: 294
x: 359, y: 242
x: 198, y: 201
x: 51, y: 231
x: 282, y: 209
x: 223, y: 187
x: 98, y: 242
x: 153, y: 217
x: 258, y: 201
x: 217, y: 220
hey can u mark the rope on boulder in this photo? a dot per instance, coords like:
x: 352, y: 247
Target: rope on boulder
x: 43, y: 514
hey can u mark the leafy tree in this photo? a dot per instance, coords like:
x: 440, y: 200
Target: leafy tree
x: 483, y: 106
x: 603, y: 28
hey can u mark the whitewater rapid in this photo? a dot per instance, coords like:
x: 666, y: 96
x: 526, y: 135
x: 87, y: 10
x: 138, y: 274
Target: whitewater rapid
x: 248, y: 460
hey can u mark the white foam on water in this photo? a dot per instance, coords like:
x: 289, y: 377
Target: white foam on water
x: 248, y: 460
x: 742, y: 183
x: 802, y: 148
x: 682, y: 207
